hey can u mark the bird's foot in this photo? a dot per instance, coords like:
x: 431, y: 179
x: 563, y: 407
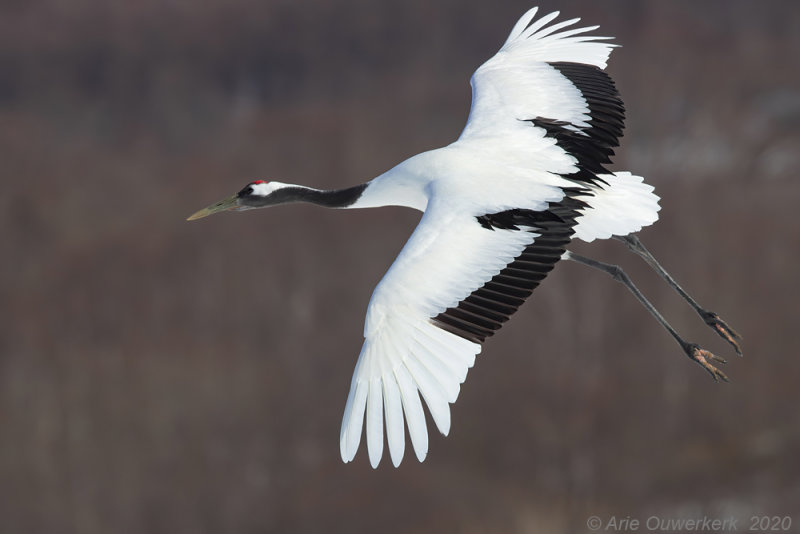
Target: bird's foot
x: 704, y: 358
x: 721, y: 327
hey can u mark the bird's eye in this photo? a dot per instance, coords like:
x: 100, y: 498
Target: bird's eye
x: 247, y: 191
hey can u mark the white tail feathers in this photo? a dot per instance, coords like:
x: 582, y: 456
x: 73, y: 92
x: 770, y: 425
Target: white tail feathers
x: 624, y: 206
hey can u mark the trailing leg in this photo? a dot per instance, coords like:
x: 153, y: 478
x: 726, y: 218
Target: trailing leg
x: 710, y: 318
x: 692, y: 350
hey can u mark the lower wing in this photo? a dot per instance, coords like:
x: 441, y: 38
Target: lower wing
x: 456, y: 281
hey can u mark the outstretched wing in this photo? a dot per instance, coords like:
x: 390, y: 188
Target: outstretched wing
x: 544, y: 102
x: 456, y: 281
x: 550, y: 80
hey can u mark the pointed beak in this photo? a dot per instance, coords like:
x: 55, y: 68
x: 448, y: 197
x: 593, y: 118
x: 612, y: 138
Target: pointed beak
x: 225, y: 204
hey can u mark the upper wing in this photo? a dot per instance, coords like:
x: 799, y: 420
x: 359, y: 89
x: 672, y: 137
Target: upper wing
x: 551, y: 82
x: 458, y: 278
x: 545, y: 93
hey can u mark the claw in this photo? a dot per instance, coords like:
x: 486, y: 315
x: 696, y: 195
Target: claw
x: 726, y: 332
x: 702, y: 357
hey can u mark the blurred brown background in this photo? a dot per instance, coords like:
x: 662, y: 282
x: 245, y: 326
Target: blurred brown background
x: 159, y: 376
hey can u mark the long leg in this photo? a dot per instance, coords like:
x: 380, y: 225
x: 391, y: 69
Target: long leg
x: 692, y: 350
x: 711, y: 319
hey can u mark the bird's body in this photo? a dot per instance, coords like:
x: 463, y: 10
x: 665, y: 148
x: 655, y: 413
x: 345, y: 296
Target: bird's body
x: 500, y: 205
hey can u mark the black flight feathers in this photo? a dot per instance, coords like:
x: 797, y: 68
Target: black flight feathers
x: 485, y: 310
x: 514, y: 218
x: 592, y: 146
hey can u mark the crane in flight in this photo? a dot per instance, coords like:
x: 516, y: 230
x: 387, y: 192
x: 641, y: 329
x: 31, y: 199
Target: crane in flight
x: 499, y: 206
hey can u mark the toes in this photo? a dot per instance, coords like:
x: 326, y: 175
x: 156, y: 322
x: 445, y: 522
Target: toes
x: 712, y: 356
x: 726, y: 332
x: 703, y: 356
x: 716, y: 374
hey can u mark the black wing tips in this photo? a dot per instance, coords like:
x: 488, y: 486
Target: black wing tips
x: 485, y: 310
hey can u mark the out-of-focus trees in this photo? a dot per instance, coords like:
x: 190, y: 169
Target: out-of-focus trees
x: 161, y: 376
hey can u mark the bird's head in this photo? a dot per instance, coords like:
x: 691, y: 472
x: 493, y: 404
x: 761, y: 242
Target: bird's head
x: 257, y: 194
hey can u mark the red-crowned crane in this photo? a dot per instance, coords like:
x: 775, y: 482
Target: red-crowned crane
x: 500, y: 206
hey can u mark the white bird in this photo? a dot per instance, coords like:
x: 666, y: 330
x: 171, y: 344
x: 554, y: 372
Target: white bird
x: 500, y: 205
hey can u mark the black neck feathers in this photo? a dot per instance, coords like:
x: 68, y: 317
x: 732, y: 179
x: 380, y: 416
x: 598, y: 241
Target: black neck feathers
x: 334, y: 198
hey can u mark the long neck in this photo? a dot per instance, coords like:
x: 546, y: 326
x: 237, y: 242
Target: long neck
x: 386, y: 190
x: 333, y: 198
